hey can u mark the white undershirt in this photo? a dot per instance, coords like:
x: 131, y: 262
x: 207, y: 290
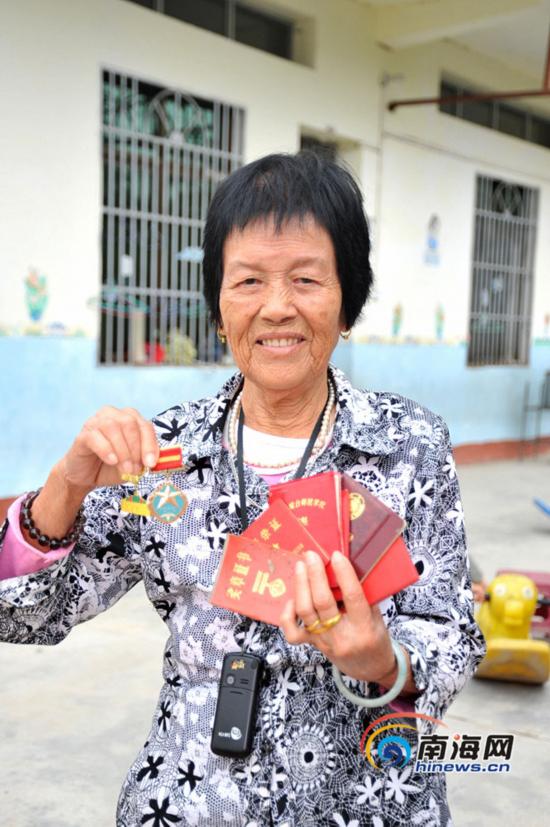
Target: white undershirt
x: 263, y: 448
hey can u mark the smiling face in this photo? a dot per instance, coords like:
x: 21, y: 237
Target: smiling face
x: 281, y: 303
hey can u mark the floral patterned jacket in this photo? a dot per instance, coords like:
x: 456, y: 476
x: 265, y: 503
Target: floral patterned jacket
x: 306, y: 768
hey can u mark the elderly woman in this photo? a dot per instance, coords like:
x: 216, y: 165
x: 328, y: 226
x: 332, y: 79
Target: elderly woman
x: 286, y: 272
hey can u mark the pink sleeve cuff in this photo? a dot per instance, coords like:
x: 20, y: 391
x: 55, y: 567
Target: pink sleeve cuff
x: 17, y: 557
x: 402, y: 705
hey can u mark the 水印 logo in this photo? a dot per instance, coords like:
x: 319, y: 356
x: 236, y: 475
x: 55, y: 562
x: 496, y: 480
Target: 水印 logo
x: 393, y: 741
x: 384, y: 744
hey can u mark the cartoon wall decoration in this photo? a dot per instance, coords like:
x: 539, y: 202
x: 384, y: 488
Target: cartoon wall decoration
x: 193, y: 254
x: 439, y: 322
x: 36, y: 295
x: 397, y: 320
x: 181, y: 350
x: 432, y: 251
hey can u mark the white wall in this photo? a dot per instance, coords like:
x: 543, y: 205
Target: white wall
x: 417, y: 183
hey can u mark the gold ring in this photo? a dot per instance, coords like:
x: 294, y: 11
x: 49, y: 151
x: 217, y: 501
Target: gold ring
x: 332, y: 621
x: 313, y: 627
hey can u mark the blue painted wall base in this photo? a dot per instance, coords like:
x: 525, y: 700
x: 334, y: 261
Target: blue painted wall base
x: 50, y: 385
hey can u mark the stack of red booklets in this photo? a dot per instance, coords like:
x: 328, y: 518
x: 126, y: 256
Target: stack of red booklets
x: 323, y: 513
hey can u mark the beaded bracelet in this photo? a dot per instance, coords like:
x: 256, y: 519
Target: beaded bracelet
x: 387, y: 696
x: 52, y: 543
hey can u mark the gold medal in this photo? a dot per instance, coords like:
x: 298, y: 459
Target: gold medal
x: 167, y: 503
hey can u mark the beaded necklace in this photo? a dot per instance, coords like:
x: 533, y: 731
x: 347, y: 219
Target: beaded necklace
x: 319, y: 442
x: 300, y: 471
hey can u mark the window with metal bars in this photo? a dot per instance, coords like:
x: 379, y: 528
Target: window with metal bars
x: 238, y: 21
x: 495, y: 114
x: 164, y: 153
x: 502, y: 273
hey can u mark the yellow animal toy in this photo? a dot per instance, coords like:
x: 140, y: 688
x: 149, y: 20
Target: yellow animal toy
x: 505, y: 620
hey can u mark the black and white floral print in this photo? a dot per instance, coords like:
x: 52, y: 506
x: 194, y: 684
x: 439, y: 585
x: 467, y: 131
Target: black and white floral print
x: 305, y: 768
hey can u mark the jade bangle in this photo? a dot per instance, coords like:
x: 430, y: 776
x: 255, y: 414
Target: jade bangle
x: 387, y: 696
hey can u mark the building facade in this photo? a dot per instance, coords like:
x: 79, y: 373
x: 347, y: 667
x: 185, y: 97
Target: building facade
x: 120, y: 117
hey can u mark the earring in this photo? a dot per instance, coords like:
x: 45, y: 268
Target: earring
x: 345, y: 334
x: 221, y: 336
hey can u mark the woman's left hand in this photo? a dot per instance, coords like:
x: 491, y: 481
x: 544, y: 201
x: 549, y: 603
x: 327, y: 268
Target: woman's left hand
x: 359, y: 643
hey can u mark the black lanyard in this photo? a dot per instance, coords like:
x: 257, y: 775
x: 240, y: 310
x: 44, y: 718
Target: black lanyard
x: 240, y: 460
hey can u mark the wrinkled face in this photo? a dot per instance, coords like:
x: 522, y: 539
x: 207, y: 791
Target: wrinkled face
x: 281, y: 303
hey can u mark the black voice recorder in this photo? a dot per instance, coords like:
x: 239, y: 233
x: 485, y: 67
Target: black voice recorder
x: 235, y: 718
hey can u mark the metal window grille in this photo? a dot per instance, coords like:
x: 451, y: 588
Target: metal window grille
x: 263, y: 29
x: 494, y: 114
x: 164, y: 152
x: 502, y: 273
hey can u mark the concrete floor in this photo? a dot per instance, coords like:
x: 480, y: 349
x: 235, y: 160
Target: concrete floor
x: 74, y: 716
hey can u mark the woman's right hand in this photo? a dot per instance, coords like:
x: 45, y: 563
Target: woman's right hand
x: 112, y: 442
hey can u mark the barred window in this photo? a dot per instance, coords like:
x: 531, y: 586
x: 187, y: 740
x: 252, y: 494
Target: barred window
x: 502, y: 273
x: 242, y: 22
x: 164, y: 153
x: 495, y: 114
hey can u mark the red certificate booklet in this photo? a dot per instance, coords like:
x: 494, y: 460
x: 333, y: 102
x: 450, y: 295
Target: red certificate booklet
x: 374, y: 526
x: 254, y: 579
x: 317, y: 502
x: 394, y: 571
x: 379, y: 555
x: 323, y: 513
x: 279, y: 527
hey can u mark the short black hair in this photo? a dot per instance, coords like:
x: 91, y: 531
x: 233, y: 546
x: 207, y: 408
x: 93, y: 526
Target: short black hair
x: 283, y: 187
